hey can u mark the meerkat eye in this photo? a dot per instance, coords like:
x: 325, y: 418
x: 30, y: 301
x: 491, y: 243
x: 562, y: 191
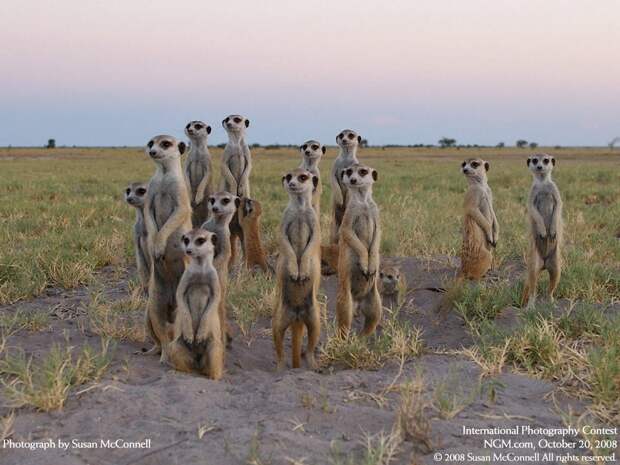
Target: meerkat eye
x: 198, y: 126
x: 237, y: 120
x: 185, y: 240
x: 314, y: 147
x: 349, y: 172
x: 141, y: 191
x: 302, y: 178
x: 128, y: 191
x: 289, y: 177
x: 166, y: 144
x: 474, y: 164
x: 212, y: 200
x: 363, y: 172
x: 534, y: 161
x: 227, y: 119
x: 150, y: 144
x: 341, y: 135
x: 201, y: 240
x: 351, y: 136
x: 390, y: 276
x: 188, y: 125
x: 304, y: 147
x: 225, y: 201
x: 463, y: 164
x: 546, y: 161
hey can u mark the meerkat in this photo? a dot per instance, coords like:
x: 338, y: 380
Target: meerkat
x: 358, y: 260
x: 249, y: 212
x: 236, y: 168
x: 544, y: 208
x: 311, y: 153
x: 167, y: 217
x: 197, y: 336
x: 135, y: 194
x: 348, y: 141
x: 298, y: 271
x: 390, y: 283
x: 222, y: 208
x: 198, y: 170
x: 480, y: 227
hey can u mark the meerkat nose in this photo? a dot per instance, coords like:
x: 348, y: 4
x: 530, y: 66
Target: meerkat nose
x: 188, y: 251
x: 353, y: 181
x: 152, y: 153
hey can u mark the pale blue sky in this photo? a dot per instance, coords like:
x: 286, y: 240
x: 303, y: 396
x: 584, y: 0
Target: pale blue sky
x: 117, y: 72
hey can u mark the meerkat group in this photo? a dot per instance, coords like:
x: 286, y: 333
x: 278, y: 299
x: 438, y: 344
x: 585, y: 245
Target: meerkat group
x: 185, y: 238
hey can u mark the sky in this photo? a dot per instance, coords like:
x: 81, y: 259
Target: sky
x: 117, y: 72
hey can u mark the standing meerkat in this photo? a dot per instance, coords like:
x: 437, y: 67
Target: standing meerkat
x: 167, y: 217
x: 198, y: 170
x: 222, y: 208
x: 480, y: 228
x: 358, y: 260
x: 236, y: 168
x: 298, y: 271
x: 348, y: 141
x: 390, y: 283
x: 135, y: 195
x: 249, y: 212
x: 197, y: 336
x: 311, y: 153
x: 544, y: 209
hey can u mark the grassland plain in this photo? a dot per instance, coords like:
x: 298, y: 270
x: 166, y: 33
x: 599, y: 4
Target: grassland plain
x: 63, y: 223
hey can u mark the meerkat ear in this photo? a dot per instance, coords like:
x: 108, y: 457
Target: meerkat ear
x: 323, y: 149
x: 486, y: 165
x: 213, y: 238
x: 237, y: 202
x: 359, y: 139
x: 208, y: 129
x: 247, y: 123
x: 182, y: 147
x: 553, y: 161
x: 529, y: 160
x: 315, y: 182
x: 375, y: 175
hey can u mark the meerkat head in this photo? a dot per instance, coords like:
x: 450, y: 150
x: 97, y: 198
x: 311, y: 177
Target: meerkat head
x: 348, y: 139
x: 475, y: 168
x: 235, y: 123
x: 199, y: 243
x: 312, y: 150
x: 222, y: 204
x: 250, y: 208
x: 197, y: 130
x: 390, y: 278
x: 162, y: 148
x: 299, y: 181
x: 359, y: 176
x: 541, y: 164
x: 135, y: 194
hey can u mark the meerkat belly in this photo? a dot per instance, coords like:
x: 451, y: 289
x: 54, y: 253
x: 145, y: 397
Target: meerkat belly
x: 165, y: 207
x: 299, y: 235
x: 236, y: 164
x: 196, y: 172
x: 197, y: 296
x: 545, y: 204
x: 364, y: 228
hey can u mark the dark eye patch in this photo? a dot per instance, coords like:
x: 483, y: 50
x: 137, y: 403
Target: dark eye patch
x: 225, y: 201
x: 304, y: 147
x: 150, y: 144
x: 198, y: 126
x: 341, y: 135
x: 302, y: 178
x: 314, y: 147
x: 363, y: 172
x: 201, y: 240
x: 237, y: 120
x: 534, y: 161
x: 349, y: 172
x: 351, y: 136
x: 128, y: 191
x: 227, y: 119
x: 166, y: 144
x: 141, y: 191
x: 463, y: 164
x: 475, y: 164
x: 185, y: 240
x: 288, y: 177
x: 546, y: 161
x: 390, y: 276
x: 212, y: 200
x: 187, y: 127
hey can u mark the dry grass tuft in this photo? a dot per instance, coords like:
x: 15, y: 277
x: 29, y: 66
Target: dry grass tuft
x: 122, y: 319
x: 413, y: 418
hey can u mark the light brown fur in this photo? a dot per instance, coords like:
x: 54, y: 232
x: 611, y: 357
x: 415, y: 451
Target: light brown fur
x: 135, y: 195
x: 358, y: 261
x: 249, y: 213
x: 391, y: 281
x: 298, y: 271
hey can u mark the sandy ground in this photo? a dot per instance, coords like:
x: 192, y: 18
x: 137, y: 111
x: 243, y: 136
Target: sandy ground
x: 257, y: 416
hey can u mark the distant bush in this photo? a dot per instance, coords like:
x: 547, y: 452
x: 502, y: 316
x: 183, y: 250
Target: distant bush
x: 51, y: 144
x: 521, y: 143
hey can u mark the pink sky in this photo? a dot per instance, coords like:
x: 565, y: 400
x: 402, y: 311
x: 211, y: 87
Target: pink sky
x: 399, y: 71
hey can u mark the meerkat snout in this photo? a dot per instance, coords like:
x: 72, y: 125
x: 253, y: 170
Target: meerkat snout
x: 541, y: 163
x: 199, y: 242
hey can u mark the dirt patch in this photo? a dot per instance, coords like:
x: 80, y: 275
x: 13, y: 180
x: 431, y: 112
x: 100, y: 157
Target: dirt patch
x: 255, y: 415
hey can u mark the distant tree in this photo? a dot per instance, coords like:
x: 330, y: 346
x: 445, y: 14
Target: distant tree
x: 533, y: 145
x: 255, y: 145
x: 446, y: 142
x: 521, y: 143
x: 51, y: 144
x: 557, y: 147
x: 221, y: 146
x: 500, y: 145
